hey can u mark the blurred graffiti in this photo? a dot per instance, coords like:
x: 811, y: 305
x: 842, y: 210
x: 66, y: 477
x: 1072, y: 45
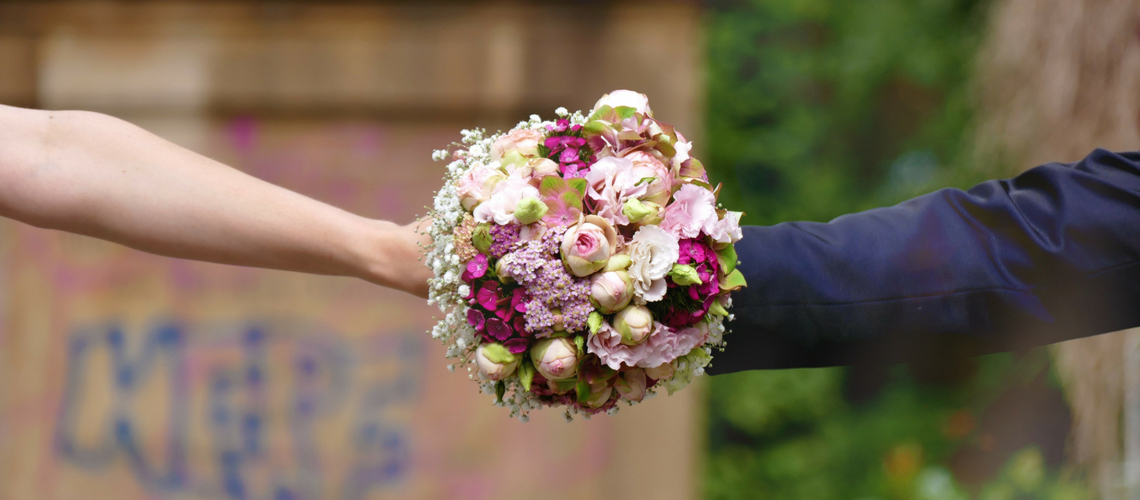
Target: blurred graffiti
x: 247, y: 411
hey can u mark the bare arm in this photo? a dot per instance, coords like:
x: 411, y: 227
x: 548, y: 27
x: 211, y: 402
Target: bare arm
x: 96, y: 175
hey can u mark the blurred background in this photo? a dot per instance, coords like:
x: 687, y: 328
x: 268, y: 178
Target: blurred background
x: 129, y: 376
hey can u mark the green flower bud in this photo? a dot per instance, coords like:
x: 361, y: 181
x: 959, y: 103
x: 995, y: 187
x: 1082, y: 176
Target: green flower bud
x: 481, y: 237
x: 530, y: 210
x: 684, y: 275
x: 618, y: 262
x: 635, y: 210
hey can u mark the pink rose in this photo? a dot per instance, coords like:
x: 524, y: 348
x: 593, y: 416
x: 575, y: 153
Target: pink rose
x: 627, y: 98
x: 610, y: 182
x: 587, y: 246
x: 646, y: 165
x: 693, y: 209
x: 555, y: 359
x: 663, y: 346
x: 524, y: 141
x: 631, y: 384
x: 611, y: 291
x: 477, y: 184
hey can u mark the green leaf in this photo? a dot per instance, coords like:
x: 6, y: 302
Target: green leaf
x: 551, y: 185
x: 594, y: 321
x: 571, y: 199
x: 601, y: 112
x: 645, y: 180
x: 596, y: 127
x: 498, y: 353
x: 624, y: 112
x: 583, y: 389
x: 700, y: 183
x: 692, y: 169
x: 580, y: 343
x: 526, y: 373
x: 578, y: 184
x: 727, y: 257
x: 733, y: 281
x: 500, y: 390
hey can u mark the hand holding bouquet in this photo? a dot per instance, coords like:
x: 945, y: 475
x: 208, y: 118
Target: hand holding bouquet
x: 581, y: 261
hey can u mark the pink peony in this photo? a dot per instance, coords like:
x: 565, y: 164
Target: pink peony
x: 611, y: 181
x: 727, y: 229
x: 500, y: 207
x: 476, y: 186
x: 525, y: 141
x: 693, y: 210
x: 646, y: 165
x: 663, y: 346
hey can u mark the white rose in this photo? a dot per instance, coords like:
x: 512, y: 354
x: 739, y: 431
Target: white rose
x: 627, y: 98
x: 653, y: 251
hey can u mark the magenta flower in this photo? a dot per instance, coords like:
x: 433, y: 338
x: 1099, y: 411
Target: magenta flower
x: 497, y: 329
x: 517, y: 346
x: 475, y: 318
x: 476, y: 268
x: 488, y: 295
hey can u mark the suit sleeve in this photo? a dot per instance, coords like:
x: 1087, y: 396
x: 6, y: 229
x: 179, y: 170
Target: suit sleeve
x: 1048, y: 256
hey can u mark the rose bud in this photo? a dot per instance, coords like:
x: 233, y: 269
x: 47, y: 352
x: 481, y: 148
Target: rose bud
x: 610, y: 292
x: 481, y: 237
x: 524, y: 141
x: 542, y: 167
x: 631, y: 385
x: 599, y: 395
x: 530, y: 210
x: 663, y: 371
x: 555, y: 359
x: 586, y: 247
x: 634, y: 324
x: 495, y: 361
x: 502, y: 273
x: 561, y: 386
x: 476, y: 186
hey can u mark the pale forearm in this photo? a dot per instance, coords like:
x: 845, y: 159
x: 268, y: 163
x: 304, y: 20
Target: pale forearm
x: 99, y: 176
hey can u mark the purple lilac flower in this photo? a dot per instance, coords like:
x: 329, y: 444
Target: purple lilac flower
x: 503, y: 238
x: 555, y: 295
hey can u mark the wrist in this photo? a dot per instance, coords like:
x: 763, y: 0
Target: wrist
x: 390, y: 255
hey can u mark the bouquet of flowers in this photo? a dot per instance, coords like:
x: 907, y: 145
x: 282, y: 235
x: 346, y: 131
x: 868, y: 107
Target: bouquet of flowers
x: 582, y: 261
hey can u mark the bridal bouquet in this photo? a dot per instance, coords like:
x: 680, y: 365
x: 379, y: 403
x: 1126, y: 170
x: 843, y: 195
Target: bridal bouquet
x: 581, y: 261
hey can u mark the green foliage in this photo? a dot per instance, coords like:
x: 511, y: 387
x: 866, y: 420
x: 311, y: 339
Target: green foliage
x: 815, y: 109
x: 818, y: 108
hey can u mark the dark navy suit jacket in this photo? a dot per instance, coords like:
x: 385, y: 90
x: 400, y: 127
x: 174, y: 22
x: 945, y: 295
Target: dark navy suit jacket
x: 1050, y: 255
